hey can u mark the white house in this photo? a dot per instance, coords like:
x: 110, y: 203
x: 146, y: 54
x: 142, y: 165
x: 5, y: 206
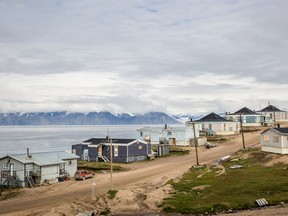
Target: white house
x: 275, y: 140
x: 272, y: 115
x: 214, y: 124
x: 22, y: 170
x: 249, y: 117
x: 179, y: 136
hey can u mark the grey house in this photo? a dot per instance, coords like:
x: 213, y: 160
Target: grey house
x: 272, y: 115
x: 248, y: 117
x: 275, y: 140
x: 123, y: 150
x: 23, y: 170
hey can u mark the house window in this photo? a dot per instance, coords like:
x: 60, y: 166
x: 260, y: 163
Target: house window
x: 266, y: 138
x: 141, y: 133
x: 140, y: 147
x: 224, y: 127
x: 210, y: 126
x: 169, y: 133
x: 275, y: 139
x: 5, y: 165
x: 116, y: 151
x: 70, y: 162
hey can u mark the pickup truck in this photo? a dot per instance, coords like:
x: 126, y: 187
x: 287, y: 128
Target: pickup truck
x: 83, y: 174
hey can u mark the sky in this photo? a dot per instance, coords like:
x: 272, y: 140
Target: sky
x: 138, y: 56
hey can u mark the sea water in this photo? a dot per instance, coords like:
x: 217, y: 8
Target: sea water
x: 16, y: 139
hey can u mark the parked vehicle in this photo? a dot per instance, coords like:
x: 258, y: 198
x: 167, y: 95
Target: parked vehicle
x: 83, y: 174
x: 209, y: 145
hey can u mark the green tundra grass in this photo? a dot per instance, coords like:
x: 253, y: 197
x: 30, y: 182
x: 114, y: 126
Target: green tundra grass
x: 208, y: 189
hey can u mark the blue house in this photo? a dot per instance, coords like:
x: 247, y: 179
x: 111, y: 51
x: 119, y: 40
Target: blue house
x: 123, y: 150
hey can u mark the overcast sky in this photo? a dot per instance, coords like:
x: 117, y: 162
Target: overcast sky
x: 136, y: 56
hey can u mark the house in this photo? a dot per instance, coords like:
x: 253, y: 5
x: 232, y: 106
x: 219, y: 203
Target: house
x: 123, y: 150
x: 179, y: 136
x: 213, y: 124
x: 248, y: 117
x: 272, y: 115
x: 275, y: 140
x: 23, y: 170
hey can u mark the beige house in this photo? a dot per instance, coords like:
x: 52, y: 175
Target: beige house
x: 275, y: 140
x: 214, y: 124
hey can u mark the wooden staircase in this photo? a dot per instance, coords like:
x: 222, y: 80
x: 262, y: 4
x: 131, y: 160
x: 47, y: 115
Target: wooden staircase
x: 31, y: 183
x: 10, y: 180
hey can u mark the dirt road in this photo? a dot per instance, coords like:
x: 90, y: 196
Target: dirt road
x: 37, y: 201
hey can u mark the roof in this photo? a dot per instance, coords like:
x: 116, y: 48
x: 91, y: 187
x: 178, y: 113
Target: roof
x: 245, y: 111
x: 168, y: 128
x: 212, y: 117
x: 271, y: 108
x: 98, y: 141
x: 283, y: 131
x: 44, y: 158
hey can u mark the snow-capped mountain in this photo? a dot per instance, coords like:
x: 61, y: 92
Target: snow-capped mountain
x: 91, y: 118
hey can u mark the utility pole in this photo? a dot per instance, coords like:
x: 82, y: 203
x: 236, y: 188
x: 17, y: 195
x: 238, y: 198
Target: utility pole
x: 196, y: 143
x: 242, y: 132
x: 111, y: 164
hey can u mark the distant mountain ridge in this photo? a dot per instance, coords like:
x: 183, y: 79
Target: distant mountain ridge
x: 91, y: 118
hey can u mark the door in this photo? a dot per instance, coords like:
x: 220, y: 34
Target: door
x: 11, y: 169
x: 100, y: 151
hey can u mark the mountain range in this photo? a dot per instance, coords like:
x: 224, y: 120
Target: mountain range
x: 91, y: 118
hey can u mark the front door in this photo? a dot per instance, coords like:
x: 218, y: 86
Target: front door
x: 100, y: 151
x: 11, y: 169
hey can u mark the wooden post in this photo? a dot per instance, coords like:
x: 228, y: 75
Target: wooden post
x: 196, y: 144
x: 111, y: 164
x: 242, y: 132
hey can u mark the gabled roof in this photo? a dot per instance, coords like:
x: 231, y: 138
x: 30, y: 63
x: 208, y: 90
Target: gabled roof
x: 245, y: 111
x: 212, y: 117
x: 44, y: 158
x: 283, y: 131
x: 271, y: 108
x: 98, y: 141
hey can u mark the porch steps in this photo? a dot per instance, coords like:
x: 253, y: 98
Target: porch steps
x: 13, y: 181
x: 64, y: 173
x: 104, y: 158
x: 30, y: 181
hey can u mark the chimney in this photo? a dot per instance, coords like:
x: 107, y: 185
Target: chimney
x: 165, y: 126
x: 28, y: 154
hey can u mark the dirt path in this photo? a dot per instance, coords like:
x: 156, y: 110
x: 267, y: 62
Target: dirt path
x: 39, y: 200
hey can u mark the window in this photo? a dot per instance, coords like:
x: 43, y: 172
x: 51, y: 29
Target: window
x: 140, y: 147
x: 169, y: 133
x: 5, y: 165
x: 70, y: 162
x: 224, y: 127
x: 266, y: 138
x: 275, y: 139
x: 141, y: 133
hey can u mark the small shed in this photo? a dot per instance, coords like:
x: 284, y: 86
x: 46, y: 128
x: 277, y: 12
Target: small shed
x: 123, y: 150
x: 23, y: 170
x: 275, y: 140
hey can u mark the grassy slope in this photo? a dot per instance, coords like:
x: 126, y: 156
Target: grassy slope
x: 235, y: 189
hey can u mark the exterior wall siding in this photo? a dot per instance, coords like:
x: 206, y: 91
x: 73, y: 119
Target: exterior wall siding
x: 49, y: 173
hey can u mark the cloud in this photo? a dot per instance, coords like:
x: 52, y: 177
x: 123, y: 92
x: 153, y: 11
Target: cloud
x: 138, y: 56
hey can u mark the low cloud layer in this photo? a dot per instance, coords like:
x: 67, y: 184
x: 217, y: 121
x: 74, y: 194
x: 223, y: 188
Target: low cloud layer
x: 189, y: 56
